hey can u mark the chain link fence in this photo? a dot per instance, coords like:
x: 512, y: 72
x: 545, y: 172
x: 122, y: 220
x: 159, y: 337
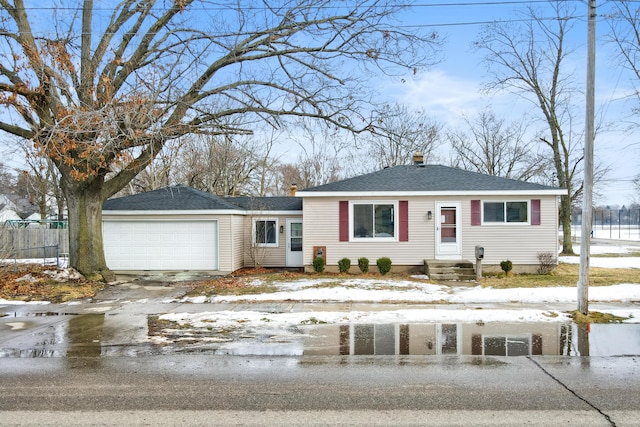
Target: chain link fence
x: 614, y: 224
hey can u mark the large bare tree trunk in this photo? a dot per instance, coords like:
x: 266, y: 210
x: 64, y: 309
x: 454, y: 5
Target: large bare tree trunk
x: 86, y: 252
x: 565, y: 221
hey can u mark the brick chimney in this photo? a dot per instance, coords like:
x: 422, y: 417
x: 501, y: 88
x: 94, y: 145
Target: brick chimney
x: 293, y: 189
x: 418, y: 159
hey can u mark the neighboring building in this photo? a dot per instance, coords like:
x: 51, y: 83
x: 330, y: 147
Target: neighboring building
x: 408, y: 213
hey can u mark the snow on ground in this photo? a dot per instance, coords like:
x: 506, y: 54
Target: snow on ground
x: 416, y: 292
x: 247, y: 319
x: 419, y: 291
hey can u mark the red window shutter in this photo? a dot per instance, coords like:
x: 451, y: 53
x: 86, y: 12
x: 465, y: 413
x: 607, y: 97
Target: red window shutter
x: 403, y: 208
x: 476, y: 218
x: 344, y: 221
x: 535, y: 212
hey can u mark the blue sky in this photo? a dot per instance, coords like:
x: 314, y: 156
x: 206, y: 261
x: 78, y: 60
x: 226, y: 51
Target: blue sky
x: 452, y: 87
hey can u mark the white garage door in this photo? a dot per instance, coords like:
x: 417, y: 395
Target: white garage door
x: 161, y: 245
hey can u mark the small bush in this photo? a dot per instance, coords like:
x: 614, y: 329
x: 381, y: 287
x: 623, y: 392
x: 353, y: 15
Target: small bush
x: 344, y: 265
x: 318, y: 264
x: 363, y: 264
x: 506, y: 266
x: 546, y: 262
x: 384, y: 265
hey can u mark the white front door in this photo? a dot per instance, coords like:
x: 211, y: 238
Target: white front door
x: 448, y: 237
x: 294, y: 243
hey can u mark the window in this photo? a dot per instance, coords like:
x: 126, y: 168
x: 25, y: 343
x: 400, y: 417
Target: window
x: 265, y: 232
x: 507, y: 345
x: 505, y: 212
x: 373, y: 220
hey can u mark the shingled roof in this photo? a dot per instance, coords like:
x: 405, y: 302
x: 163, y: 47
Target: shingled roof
x: 427, y: 178
x: 266, y: 203
x: 178, y: 197
x: 181, y: 197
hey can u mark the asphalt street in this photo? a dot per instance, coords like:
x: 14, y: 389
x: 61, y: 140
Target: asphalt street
x: 222, y: 390
x: 55, y: 370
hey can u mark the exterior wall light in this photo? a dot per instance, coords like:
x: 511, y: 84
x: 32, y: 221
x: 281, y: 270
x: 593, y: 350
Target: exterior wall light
x: 429, y: 215
x: 281, y: 229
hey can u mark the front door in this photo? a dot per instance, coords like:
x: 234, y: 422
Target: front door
x: 294, y: 243
x: 448, y: 238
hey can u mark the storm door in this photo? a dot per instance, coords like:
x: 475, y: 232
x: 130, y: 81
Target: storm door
x: 448, y: 238
x: 294, y: 243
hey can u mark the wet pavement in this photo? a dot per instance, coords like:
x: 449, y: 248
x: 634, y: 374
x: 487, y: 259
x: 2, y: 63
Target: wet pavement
x: 121, y: 359
x: 133, y: 319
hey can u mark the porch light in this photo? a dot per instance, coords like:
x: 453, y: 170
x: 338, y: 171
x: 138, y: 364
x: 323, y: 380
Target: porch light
x: 281, y: 229
x: 429, y: 215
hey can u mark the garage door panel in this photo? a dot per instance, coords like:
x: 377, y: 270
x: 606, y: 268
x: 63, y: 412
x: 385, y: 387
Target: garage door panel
x: 161, y: 245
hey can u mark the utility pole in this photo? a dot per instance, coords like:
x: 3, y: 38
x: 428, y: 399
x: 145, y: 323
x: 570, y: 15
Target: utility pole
x: 587, y: 199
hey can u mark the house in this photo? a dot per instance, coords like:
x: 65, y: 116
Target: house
x: 409, y: 213
x: 418, y: 212
x: 180, y: 228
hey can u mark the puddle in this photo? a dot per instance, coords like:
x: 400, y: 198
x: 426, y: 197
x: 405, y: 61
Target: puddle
x: 39, y: 314
x: 94, y: 336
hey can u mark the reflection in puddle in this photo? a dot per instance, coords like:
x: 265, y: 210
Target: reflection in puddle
x: 86, y: 338
x: 477, y: 339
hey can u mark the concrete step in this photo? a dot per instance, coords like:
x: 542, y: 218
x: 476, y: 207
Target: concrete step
x: 456, y: 270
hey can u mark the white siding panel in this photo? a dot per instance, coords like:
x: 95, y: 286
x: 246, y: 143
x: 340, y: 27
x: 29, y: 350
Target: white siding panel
x: 519, y: 243
x: 267, y: 256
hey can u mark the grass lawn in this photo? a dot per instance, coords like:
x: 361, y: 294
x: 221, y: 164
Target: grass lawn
x: 564, y: 275
x: 30, y: 284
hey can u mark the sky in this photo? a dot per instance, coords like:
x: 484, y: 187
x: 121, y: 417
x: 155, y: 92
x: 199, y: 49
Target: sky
x: 453, y: 87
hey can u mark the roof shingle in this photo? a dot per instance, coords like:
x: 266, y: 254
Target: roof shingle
x: 408, y: 178
x: 179, y: 197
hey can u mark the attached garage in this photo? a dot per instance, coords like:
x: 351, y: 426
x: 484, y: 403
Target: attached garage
x: 161, y: 244
x: 183, y: 229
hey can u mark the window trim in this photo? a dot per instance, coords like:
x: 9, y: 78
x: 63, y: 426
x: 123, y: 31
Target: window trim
x: 396, y: 220
x: 505, y: 222
x: 265, y: 245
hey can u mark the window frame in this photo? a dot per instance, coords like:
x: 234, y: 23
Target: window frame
x: 373, y: 203
x: 276, y: 229
x: 505, y: 222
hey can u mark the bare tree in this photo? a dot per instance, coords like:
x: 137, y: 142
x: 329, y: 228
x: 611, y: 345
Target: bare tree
x: 624, y: 20
x: 7, y: 184
x: 40, y: 183
x: 396, y: 135
x: 96, y: 87
x: 495, y: 147
x: 321, y: 158
x: 222, y: 165
x: 528, y: 57
x: 158, y: 173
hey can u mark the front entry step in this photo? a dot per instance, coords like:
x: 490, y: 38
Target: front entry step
x: 454, y: 270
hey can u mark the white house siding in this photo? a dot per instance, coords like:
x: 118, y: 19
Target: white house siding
x: 518, y: 243
x: 515, y: 242
x: 237, y: 236
x: 321, y: 219
x: 266, y: 256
